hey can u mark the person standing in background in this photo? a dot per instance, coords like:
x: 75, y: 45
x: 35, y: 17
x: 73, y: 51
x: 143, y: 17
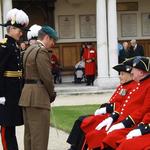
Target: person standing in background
x: 38, y: 91
x: 56, y: 71
x: 11, y: 78
x: 23, y: 46
x: 83, y: 46
x: 124, y: 53
x: 136, y: 49
x: 89, y: 56
x: 119, y: 47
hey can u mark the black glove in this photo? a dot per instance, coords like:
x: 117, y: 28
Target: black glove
x: 52, y: 98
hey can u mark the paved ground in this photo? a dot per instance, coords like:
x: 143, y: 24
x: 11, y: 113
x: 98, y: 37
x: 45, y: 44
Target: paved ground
x: 58, y: 138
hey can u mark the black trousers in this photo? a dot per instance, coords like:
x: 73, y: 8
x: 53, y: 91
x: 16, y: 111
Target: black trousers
x: 76, y: 136
x: 8, y: 136
x: 90, y: 79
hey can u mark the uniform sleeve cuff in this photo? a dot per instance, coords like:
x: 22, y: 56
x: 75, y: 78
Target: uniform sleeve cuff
x: 110, y: 107
x: 115, y: 115
x: 144, y: 128
x: 103, y: 105
x: 128, y: 122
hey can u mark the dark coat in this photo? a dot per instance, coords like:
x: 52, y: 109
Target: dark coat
x: 123, y: 54
x: 138, y: 51
x: 10, y: 87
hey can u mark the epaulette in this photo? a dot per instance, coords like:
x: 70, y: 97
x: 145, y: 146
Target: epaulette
x: 3, y: 41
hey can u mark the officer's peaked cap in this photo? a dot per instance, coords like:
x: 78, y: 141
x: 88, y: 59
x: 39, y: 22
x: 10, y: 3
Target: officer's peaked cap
x: 142, y: 63
x: 50, y: 31
x: 17, y: 18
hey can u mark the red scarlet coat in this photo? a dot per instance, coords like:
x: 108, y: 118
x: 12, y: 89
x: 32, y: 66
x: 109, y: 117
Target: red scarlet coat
x: 136, y: 105
x: 89, y: 56
x: 138, y: 143
x: 54, y: 60
x: 146, y: 119
x: 116, y: 100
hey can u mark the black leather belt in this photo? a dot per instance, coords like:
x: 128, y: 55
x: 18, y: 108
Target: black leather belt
x: 31, y: 81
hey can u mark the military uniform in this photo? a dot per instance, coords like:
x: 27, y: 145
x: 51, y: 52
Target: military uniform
x: 85, y: 124
x: 89, y: 56
x: 130, y: 113
x: 140, y: 142
x: 36, y: 96
x: 11, y: 77
x: 114, y: 104
x: 10, y: 86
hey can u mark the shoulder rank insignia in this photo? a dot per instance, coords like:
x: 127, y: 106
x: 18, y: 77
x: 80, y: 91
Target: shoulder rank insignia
x: 3, y: 41
x: 123, y: 92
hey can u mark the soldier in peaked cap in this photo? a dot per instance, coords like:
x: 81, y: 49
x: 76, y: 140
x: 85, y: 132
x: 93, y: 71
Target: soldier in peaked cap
x: 38, y: 92
x: 10, y: 77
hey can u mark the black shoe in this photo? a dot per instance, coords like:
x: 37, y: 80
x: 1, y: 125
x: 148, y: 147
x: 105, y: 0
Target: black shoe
x: 88, y: 84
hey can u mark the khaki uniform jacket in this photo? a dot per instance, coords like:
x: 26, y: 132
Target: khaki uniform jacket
x: 37, y: 67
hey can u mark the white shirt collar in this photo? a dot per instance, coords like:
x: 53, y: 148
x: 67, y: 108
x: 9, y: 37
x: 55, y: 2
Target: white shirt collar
x: 41, y: 43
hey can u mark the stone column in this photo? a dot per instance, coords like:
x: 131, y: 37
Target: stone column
x: 1, y: 18
x: 112, y: 40
x: 6, y: 5
x: 102, y: 48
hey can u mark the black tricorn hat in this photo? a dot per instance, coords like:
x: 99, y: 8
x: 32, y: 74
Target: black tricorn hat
x: 142, y: 63
x: 125, y: 66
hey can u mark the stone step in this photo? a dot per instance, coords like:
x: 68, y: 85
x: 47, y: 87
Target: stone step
x: 75, y: 89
